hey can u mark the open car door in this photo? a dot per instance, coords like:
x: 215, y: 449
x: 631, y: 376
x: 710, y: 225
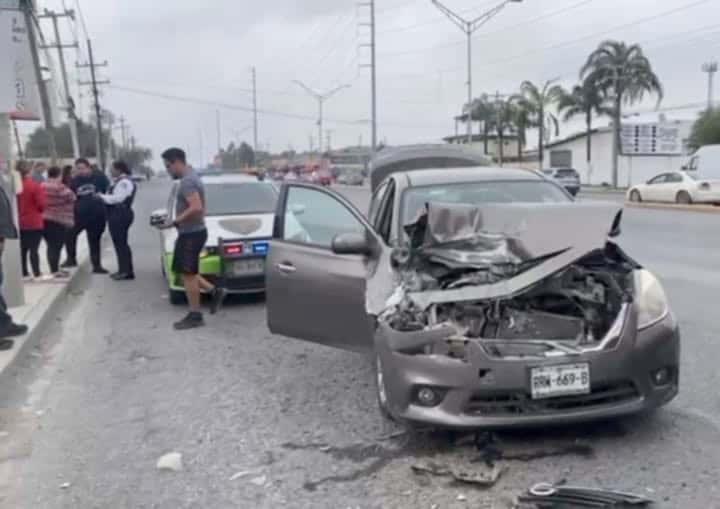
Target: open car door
x: 317, y: 267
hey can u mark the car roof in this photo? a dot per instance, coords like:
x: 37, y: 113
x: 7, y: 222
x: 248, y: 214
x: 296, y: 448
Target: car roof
x: 230, y: 179
x: 479, y: 173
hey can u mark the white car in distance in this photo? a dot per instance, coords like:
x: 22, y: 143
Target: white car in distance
x: 676, y: 187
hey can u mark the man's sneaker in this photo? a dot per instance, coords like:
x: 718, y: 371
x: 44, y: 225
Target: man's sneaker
x: 100, y: 270
x: 28, y: 279
x: 69, y: 264
x: 44, y: 277
x: 191, y: 321
x: 217, y: 296
x: 6, y: 344
x: 122, y: 277
x: 12, y: 330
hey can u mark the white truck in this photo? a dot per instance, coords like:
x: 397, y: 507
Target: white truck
x: 704, y: 163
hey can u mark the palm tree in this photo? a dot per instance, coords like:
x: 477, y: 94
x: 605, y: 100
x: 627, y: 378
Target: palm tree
x: 587, y: 100
x: 623, y: 73
x: 482, y: 110
x: 539, y: 101
x: 522, y: 120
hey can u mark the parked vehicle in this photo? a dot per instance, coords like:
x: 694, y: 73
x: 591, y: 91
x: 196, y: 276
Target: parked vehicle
x: 676, y: 187
x: 239, y: 210
x: 487, y: 296
x: 351, y: 178
x: 566, y: 177
x: 704, y: 163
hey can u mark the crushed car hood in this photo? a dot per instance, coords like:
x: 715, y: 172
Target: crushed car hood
x: 520, y: 243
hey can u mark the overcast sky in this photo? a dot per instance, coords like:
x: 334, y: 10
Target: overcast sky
x: 204, y: 50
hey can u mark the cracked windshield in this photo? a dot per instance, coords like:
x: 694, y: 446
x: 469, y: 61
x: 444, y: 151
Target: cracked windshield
x: 359, y: 254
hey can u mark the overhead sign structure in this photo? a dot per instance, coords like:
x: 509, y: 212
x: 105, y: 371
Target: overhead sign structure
x: 19, y: 95
x: 651, y: 139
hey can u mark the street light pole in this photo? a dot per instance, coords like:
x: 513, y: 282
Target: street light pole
x: 469, y: 27
x: 710, y: 68
x: 320, y: 98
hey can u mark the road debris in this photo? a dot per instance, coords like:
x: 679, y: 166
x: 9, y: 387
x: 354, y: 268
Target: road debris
x: 259, y: 481
x: 65, y: 485
x: 171, y: 461
x: 244, y: 473
x: 491, y: 453
x: 461, y: 498
x: 459, y: 475
x: 560, y: 495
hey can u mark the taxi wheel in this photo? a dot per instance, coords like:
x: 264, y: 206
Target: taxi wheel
x: 635, y: 196
x: 177, y: 297
x: 684, y: 198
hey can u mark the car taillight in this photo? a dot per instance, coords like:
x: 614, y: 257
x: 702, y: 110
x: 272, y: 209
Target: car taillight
x: 705, y: 186
x: 234, y: 249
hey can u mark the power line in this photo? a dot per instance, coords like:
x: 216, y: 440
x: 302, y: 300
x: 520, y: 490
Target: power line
x: 483, y: 5
x: 490, y: 34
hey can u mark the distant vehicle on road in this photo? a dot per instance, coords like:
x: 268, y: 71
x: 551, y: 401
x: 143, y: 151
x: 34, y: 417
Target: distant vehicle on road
x: 487, y: 296
x: 240, y: 211
x: 676, y: 187
x: 351, y: 178
x: 704, y: 163
x: 290, y: 176
x: 566, y: 177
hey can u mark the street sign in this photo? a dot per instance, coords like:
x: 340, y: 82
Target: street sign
x: 651, y: 139
x: 19, y: 95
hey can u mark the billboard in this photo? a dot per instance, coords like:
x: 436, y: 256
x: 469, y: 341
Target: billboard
x: 19, y: 94
x: 651, y: 139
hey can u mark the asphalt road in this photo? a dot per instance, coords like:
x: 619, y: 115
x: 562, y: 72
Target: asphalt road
x: 113, y: 387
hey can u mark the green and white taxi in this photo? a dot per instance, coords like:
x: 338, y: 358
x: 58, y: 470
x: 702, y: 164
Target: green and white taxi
x: 239, y: 216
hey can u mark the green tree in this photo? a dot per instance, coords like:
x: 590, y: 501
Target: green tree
x: 482, y: 110
x: 706, y: 129
x: 584, y: 100
x: 624, y: 75
x: 522, y: 119
x: 539, y: 100
x: 38, y: 142
x: 135, y: 157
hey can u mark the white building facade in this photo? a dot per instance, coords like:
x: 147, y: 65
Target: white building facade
x: 652, y: 157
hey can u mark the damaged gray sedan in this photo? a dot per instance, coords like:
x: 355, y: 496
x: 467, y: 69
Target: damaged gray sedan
x: 488, y: 297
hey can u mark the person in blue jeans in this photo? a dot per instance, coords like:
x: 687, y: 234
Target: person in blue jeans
x: 8, y: 328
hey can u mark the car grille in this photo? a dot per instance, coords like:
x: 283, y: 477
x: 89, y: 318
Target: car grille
x: 520, y: 403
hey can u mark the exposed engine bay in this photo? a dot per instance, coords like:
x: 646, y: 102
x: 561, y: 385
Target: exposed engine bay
x: 577, y: 303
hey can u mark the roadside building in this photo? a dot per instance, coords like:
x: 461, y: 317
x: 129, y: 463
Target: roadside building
x: 491, y: 147
x: 649, y: 146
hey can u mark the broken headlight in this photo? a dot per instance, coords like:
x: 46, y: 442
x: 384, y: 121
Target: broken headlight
x: 650, y: 297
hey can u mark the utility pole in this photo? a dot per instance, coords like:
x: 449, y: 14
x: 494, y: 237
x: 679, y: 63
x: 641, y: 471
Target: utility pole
x: 710, y: 68
x: 70, y: 104
x: 320, y: 98
x: 373, y: 73
x: 469, y: 27
x: 312, y: 143
x: 329, y: 145
x: 255, y: 111
x: 18, y: 141
x: 123, y: 133
x: 96, y: 94
x: 42, y: 85
x: 217, y: 126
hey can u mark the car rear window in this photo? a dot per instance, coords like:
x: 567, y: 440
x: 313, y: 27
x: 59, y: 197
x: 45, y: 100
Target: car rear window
x: 566, y: 173
x: 479, y: 193
x: 239, y: 198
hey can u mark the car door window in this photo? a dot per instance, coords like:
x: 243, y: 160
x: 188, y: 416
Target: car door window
x: 383, y: 225
x: 376, y: 201
x: 660, y: 179
x: 674, y: 177
x: 315, y: 217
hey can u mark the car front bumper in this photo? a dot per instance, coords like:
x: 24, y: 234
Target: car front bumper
x: 211, y: 270
x: 485, y: 392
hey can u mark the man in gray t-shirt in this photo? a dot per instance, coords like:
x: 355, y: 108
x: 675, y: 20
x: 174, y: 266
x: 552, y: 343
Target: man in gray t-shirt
x: 192, y: 235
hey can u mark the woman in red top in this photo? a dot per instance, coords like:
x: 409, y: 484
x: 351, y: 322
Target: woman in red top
x: 31, y: 204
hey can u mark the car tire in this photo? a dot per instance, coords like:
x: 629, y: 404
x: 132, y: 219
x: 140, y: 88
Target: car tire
x: 177, y: 297
x: 683, y: 197
x: 381, y: 392
x: 635, y: 196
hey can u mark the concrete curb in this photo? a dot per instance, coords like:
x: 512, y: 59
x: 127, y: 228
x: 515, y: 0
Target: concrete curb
x: 37, y: 317
x: 707, y: 209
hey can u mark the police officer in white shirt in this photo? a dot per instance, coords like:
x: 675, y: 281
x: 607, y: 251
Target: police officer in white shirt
x: 119, y: 201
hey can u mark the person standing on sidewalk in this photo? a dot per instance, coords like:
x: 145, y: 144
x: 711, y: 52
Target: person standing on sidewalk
x: 38, y: 172
x: 89, y: 214
x: 192, y: 235
x: 8, y: 328
x: 59, y: 218
x: 120, y: 217
x: 31, y: 205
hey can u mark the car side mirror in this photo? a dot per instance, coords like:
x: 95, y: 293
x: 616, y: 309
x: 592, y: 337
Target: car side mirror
x: 297, y: 209
x: 158, y: 217
x: 684, y: 167
x: 351, y: 243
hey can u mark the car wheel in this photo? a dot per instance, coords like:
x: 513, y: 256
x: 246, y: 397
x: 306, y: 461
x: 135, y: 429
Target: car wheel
x: 635, y: 196
x: 683, y: 197
x: 381, y: 390
x: 177, y: 297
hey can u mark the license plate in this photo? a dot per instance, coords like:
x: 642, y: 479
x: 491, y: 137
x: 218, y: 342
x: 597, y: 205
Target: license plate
x: 252, y: 267
x: 562, y: 380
